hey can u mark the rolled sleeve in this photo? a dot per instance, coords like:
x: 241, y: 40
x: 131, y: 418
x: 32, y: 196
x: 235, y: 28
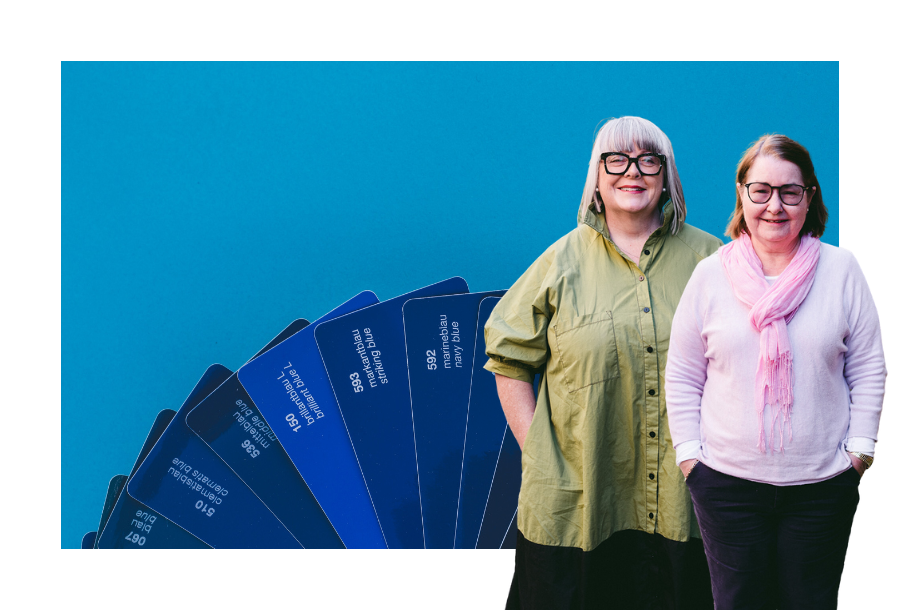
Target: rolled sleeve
x: 516, y: 333
x: 511, y: 370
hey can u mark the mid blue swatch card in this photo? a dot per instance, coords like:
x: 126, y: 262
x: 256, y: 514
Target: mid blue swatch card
x: 365, y: 356
x: 440, y: 343
x: 133, y: 525
x: 503, y: 500
x: 186, y: 482
x: 232, y: 425
x: 291, y: 389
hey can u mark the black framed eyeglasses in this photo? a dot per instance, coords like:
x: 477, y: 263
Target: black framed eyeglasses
x: 790, y: 194
x: 617, y: 163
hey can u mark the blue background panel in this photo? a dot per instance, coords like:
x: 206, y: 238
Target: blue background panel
x: 205, y: 204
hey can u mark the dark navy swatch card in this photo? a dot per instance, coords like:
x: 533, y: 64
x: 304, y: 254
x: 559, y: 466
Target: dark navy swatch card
x: 485, y: 429
x: 232, y: 425
x: 290, y: 388
x: 183, y: 480
x: 87, y: 541
x: 160, y: 423
x: 509, y: 541
x: 440, y: 343
x: 365, y: 356
x: 503, y: 500
x: 133, y: 525
x: 113, y: 491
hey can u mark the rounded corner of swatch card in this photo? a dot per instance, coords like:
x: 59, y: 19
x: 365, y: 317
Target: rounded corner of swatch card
x: 240, y: 369
x: 408, y: 301
x: 215, y: 366
x: 463, y: 280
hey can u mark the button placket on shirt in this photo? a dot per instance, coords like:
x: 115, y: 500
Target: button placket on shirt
x: 651, y: 392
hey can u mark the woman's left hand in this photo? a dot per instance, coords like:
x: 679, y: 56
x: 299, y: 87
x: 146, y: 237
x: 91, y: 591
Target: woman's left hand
x: 857, y: 463
x: 687, y: 466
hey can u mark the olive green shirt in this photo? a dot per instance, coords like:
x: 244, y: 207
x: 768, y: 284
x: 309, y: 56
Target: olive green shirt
x: 598, y: 457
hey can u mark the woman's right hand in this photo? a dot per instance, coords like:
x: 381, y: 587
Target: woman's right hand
x: 687, y: 465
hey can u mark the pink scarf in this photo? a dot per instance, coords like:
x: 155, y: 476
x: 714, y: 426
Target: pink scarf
x: 771, y: 310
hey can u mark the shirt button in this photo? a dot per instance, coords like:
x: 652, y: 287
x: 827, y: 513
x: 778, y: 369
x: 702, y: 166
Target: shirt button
x: 653, y: 435
x: 651, y: 515
x: 651, y: 476
x: 646, y: 310
x: 647, y: 252
x: 651, y: 392
x: 641, y: 278
x: 649, y: 350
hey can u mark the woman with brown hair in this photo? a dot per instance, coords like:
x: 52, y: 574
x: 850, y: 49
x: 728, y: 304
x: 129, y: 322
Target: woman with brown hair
x: 775, y: 385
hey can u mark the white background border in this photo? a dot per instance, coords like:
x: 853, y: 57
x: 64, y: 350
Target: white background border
x: 35, y: 39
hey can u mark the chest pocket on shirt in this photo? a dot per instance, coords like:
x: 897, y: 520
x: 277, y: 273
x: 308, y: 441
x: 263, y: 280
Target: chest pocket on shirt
x: 587, y: 350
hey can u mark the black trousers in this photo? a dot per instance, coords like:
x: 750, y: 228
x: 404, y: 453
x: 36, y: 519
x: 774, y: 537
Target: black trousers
x: 631, y: 570
x: 774, y: 546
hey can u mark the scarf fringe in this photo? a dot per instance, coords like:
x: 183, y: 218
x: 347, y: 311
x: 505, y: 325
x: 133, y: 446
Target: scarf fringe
x: 778, y: 390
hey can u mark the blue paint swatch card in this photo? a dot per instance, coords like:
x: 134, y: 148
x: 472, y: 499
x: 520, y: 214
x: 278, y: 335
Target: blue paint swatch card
x: 503, y: 500
x: 365, y: 356
x: 133, y: 525
x: 230, y: 422
x: 485, y: 428
x: 183, y: 480
x: 509, y: 541
x: 291, y: 390
x: 440, y: 343
x: 160, y: 423
x: 87, y: 541
x: 113, y: 491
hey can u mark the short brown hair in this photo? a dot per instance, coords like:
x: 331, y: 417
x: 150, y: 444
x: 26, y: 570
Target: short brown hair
x: 786, y: 149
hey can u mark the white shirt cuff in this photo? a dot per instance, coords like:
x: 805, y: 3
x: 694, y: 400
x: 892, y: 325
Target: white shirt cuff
x: 861, y: 444
x: 690, y: 450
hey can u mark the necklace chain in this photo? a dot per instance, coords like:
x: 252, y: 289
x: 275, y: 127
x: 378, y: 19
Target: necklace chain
x: 629, y: 254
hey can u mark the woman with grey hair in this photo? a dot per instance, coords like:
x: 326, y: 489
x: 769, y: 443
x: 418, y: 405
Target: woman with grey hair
x: 604, y: 517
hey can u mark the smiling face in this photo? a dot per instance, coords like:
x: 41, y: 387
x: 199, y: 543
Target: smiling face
x: 773, y: 226
x: 631, y: 192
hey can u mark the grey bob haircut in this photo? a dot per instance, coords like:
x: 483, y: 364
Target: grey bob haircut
x: 622, y: 135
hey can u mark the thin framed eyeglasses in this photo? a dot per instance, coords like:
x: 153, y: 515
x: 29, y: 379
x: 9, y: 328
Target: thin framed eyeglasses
x: 617, y: 163
x: 790, y: 194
